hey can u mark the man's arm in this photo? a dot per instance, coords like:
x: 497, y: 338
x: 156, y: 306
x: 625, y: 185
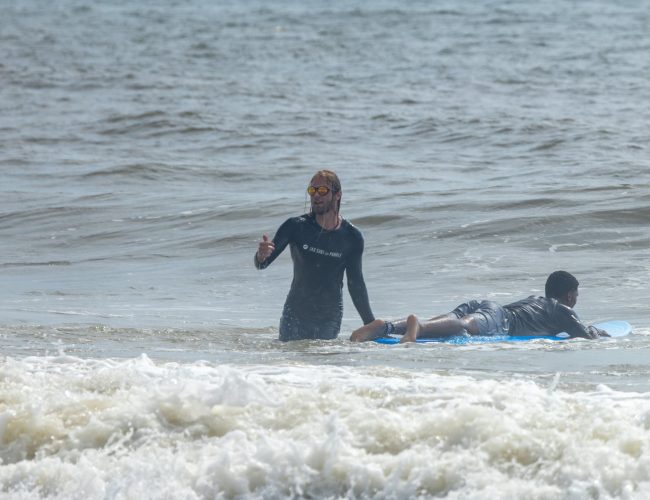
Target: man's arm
x: 357, y: 286
x: 268, y: 251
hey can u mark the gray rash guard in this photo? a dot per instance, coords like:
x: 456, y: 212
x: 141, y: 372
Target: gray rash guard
x: 543, y: 316
x: 314, y: 306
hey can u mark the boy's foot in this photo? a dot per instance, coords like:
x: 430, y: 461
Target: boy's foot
x: 368, y: 332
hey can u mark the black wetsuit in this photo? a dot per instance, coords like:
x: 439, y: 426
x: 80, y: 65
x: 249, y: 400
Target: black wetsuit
x: 543, y: 316
x: 314, y: 305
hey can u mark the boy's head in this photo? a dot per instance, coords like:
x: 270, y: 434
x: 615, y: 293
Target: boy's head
x: 562, y: 286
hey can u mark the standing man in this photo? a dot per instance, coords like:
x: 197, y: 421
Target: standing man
x: 323, y: 246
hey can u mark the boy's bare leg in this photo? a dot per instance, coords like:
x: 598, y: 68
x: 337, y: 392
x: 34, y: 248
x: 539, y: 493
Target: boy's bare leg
x: 376, y: 329
x: 368, y: 332
x: 440, y: 326
x: 412, y: 329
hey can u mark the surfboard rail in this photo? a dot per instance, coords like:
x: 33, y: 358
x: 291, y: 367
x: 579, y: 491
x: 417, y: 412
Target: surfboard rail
x: 615, y: 328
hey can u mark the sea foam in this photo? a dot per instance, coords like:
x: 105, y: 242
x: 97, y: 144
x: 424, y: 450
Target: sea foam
x: 74, y: 428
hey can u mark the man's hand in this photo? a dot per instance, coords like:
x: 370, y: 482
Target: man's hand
x: 264, y: 249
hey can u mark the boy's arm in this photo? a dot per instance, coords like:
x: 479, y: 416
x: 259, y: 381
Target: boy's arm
x: 574, y: 327
x: 598, y: 331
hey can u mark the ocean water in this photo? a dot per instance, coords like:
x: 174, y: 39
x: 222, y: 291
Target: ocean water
x: 145, y: 147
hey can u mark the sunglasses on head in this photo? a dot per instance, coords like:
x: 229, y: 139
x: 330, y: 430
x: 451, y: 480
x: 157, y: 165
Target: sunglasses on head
x: 321, y: 190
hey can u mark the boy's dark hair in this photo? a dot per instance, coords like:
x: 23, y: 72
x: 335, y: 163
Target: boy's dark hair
x: 559, y: 283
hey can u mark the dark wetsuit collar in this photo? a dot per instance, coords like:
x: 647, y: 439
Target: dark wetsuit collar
x: 312, y: 218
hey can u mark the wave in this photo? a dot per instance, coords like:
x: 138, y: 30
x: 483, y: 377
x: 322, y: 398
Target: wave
x: 154, y: 124
x: 270, y: 431
x: 370, y: 221
x: 137, y: 171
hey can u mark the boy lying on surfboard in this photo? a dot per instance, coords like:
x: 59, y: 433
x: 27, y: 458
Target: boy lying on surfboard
x: 531, y: 316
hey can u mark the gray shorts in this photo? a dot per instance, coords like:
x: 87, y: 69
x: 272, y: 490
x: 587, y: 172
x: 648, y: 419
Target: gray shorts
x: 490, y: 316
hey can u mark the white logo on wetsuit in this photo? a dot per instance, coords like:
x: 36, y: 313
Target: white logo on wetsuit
x: 320, y: 251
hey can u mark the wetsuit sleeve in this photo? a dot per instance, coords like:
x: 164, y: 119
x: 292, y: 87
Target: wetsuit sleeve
x: 280, y: 240
x: 357, y: 285
x: 572, y: 325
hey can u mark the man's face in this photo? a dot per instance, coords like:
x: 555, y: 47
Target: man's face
x: 572, y: 298
x: 323, y: 203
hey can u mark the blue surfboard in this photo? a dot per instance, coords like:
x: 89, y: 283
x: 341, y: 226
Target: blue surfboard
x: 616, y: 328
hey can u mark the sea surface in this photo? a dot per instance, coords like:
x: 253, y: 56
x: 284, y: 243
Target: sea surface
x: 146, y: 146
